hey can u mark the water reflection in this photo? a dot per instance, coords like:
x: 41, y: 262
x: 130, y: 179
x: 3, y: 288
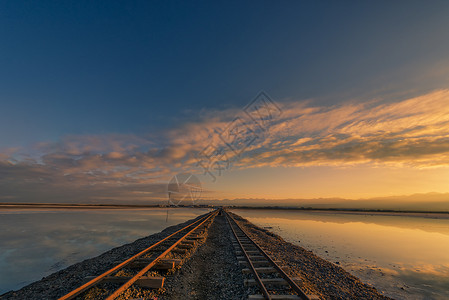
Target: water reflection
x: 403, y: 256
x: 36, y: 243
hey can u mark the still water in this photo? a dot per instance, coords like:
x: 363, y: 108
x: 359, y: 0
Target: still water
x: 405, y: 256
x: 36, y: 243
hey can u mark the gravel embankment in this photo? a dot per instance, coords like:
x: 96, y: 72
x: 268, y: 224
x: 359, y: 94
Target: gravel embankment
x: 318, y: 276
x: 62, y: 282
x: 211, y: 271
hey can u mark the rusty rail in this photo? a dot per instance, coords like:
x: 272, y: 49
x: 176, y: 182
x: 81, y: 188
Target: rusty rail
x: 195, y: 225
x: 235, y: 226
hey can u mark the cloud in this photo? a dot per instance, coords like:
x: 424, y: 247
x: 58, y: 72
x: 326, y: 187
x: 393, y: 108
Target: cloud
x: 413, y: 132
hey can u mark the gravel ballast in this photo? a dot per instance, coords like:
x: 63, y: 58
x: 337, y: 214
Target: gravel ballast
x: 318, y: 276
x: 211, y: 271
x: 64, y: 281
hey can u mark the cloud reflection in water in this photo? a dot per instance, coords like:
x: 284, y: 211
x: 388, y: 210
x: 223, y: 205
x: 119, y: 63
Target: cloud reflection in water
x: 36, y: 243
x: 403, y: 256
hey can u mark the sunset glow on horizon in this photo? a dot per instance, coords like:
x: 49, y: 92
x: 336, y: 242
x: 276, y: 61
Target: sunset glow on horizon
x: 351, y: 150
x: 360, y: 92
x: 169, y: 139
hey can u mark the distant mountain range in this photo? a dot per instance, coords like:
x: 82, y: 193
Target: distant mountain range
x: 438, y: 202
x: 415, y: 202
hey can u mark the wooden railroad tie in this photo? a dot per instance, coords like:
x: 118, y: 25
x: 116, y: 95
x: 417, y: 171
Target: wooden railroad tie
x: 162, y: 264
x: 240, y: 253
x: 195, y: 237
x: 148, y: 282
x: 151, y: 257
x: 184, y: 246
x: 265, y: 270
x: 143, y: 264
x: 282, y: 297
x: 179, y: 251
x: 177, y: 262
x: 246, y: 246
x: 186, y: 241
x: 252, y: 257
x: 257, y: 263
x: 265, y: 281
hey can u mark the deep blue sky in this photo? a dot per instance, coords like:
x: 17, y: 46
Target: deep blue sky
x: 86, y: 67
x: 90, y: 89
x: 94, y: 67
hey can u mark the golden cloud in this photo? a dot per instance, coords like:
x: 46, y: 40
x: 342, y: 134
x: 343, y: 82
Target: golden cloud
x: 412, y: 132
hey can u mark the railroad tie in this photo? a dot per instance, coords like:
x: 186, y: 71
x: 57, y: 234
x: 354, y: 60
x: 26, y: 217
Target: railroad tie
x: 186, y: 241
x: 257, y: 262
x: 156, y: 282
x: 194, y: 237
x: 282, y: 297
x: 177, y: 262
x: 179, y: 251
x: 184, y: 246
x: 275, y: 281
x: 150, y: 258
x: 265, y: 270
x: 159, y: 266
x: 252, y: 257
x: 249, y: 252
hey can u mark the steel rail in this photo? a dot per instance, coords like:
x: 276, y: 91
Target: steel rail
x: 97, y: 279
x: 253, y: 270
x: 287, y: 278
x: 126, y: 285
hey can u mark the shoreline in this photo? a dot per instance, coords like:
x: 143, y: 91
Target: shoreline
x: 321, y: 277
x: 65, y: 280
x: 386, y: 212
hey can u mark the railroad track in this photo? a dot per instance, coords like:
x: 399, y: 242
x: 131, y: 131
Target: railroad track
x: 135, y: 270
x: 270, y: 279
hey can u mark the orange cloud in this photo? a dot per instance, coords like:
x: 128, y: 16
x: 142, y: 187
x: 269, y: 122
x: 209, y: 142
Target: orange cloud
x: 413, y: 132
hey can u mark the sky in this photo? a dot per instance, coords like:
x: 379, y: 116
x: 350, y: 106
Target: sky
x: 108, y: 100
